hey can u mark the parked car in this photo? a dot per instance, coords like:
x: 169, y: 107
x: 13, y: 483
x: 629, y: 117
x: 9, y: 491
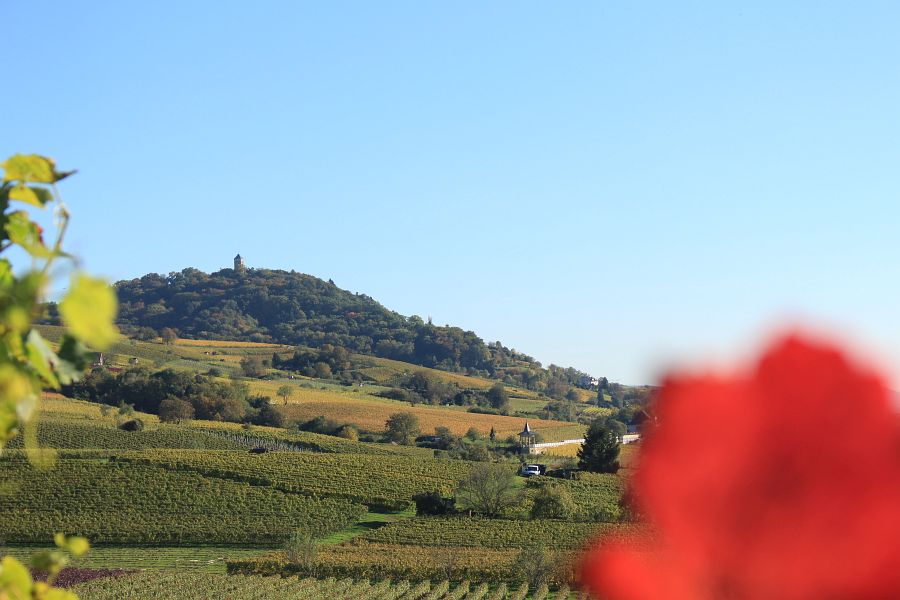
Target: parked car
x: 529, y: 470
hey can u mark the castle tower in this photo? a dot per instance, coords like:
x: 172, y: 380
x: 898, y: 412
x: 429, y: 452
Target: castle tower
x: 238, y: 263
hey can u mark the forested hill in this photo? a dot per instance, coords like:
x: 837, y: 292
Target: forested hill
x: 265, y: 305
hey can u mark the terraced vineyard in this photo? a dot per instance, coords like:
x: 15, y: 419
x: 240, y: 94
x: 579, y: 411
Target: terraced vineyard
x: 196, y: 587
x: 387, y: 482
x: 133, y: 503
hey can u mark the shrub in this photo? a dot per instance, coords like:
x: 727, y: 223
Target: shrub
x: 300, y: 550
x: 552, y: 502
x: 132, y: 425
x: 434, y: 503
x: 348, y: 432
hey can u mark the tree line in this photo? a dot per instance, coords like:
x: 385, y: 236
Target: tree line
x: 176, y: 396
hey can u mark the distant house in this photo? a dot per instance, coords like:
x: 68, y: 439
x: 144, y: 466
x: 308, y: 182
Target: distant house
x: 586, y: 381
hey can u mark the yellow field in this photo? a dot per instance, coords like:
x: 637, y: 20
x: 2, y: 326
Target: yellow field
x: 567, y: 450
x: 370, y: 414
x: 585, y: 395
x: 628, y: 453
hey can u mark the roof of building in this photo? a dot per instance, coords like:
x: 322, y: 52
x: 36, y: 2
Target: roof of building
x: 527, y: 430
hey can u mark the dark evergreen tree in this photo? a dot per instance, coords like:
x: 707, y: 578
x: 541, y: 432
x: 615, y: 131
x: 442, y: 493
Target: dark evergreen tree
x: 600, y: 451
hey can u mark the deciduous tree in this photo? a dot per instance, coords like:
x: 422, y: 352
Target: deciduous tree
x: 489, y: 489
x: 402, y: 428
x: 285, y: 392
x: 175, y: 410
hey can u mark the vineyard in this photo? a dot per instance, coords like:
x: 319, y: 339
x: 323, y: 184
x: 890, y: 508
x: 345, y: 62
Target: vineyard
x: 596, y: 496
x: 490, y: 533
x: 67, y: 434
x: 366, y: 560
x: 199, y: 587
x: 57, y: 405
x: 172, y: 508
x: 387, y: 482
x: 209, y: 559
x: 131, y: 503
x: 314, y: 442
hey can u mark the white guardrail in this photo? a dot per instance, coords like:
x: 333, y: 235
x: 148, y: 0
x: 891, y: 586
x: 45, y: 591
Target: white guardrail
x: 628, y: 438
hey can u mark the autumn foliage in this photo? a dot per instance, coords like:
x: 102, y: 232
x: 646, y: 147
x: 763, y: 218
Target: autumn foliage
x: 781, y: 482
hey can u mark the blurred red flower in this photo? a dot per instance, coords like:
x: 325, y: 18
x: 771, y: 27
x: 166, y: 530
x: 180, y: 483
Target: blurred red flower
x: 783, y: 483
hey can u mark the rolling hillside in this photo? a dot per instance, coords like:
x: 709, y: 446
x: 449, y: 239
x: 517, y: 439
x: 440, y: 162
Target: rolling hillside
x: 290, y: 308
x: 358, y: 404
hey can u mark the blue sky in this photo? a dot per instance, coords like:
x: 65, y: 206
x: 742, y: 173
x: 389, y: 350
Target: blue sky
x: 618, y: 187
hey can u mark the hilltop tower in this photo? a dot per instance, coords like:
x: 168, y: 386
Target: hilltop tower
x: 238, y: 263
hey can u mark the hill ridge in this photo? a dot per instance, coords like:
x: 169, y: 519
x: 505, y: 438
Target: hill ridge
x: 288, y: 307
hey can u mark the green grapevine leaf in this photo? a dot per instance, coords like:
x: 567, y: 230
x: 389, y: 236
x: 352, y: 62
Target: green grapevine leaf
x: 29, y: 167
x: 27, y: 234
x: 34, y: 196
x: 9, y: 419
x: 6, y: 274
x: 15, y: 580
x: 89, y: 310
x: 77, y: 546
x: 53, y: 593
x: 50, y: 562
x: 14, y: 388
x: 73, y: 356
x: 42, y: 358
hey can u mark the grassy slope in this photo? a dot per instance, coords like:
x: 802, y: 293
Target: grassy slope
x: 357, y: 404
